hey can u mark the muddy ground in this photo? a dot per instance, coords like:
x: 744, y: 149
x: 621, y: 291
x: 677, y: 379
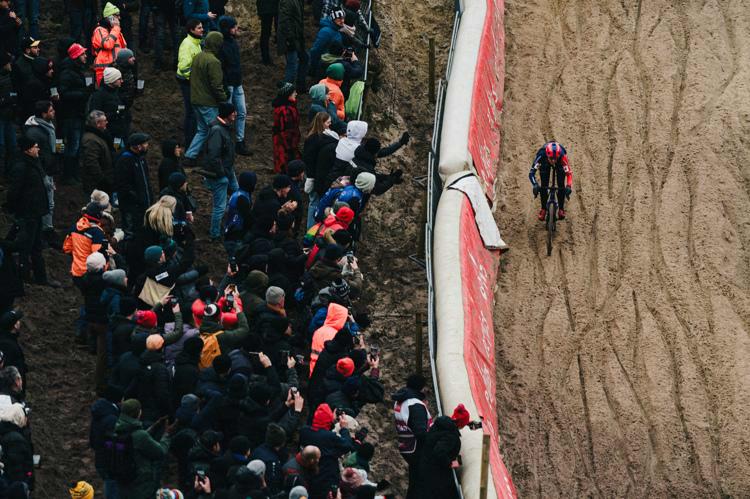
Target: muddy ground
x: 623, y: 358
x: 61, y: 380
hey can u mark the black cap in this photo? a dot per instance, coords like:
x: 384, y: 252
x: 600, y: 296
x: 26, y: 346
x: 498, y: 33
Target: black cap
x: 28, y: 42
x: 281, y: 181
x: 25, y: 143
x: 9, y: 319
x: 138, y: 138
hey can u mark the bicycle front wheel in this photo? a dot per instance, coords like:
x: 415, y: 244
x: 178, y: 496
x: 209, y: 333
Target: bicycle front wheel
x: 551, y: 215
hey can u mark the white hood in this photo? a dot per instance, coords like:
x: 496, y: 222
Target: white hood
x: 355, y: 132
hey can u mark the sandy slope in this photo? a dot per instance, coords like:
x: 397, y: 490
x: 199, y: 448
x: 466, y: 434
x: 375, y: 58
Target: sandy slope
x: 623, y: 361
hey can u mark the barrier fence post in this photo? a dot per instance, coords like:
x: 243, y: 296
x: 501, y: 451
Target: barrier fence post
x: 484, y: 476
x: 418, y: 341
x: 431, y: 70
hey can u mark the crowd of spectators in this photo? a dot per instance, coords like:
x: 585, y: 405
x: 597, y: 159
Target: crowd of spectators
x: 246, y: 386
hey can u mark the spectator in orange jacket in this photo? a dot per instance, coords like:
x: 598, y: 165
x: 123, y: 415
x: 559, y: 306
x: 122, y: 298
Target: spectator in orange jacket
x: 83, y: 239
x: 335, y: 320
x: 334, y: 78
x: 107, y: 40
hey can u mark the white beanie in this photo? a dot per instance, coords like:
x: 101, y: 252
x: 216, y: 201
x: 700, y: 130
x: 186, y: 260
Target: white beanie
x: 95, y: 261
x: 111, y: 75
x: 365, y: 182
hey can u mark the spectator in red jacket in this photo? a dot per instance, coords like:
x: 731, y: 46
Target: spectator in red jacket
x: 286, y: 135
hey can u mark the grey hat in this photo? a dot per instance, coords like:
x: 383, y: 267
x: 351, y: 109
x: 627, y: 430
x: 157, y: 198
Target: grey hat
x: 274, y: 295
x: 114, y: 277
x: 298, y: 492
x: 257, y: 467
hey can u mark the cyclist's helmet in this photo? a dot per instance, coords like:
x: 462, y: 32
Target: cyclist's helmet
x: 553, y: 150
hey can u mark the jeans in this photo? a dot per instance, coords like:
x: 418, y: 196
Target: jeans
x: 73, y: 129
x: 233, y: 184
x: 266, y: 24
x: 312, y: 206
x: 111, y: 491
x: 237, y: 97
x: 204, y: 115
x: 188, y: 123
x: 296, y: 68
x: 28, y: 10
x: 164, y: 21
x: 7, y: 138
x: 81, y: 22
x: 49, y: 183
x: 218, y: 188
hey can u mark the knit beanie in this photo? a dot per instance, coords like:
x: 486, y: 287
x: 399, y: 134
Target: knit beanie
x: 365, y: 182
x: 189, y: 402
x: 81, y: 490
x: 111, y: 75
x: 461, y: 416
x: 110, y: 10
x: 99, y: 198
x: 177, y: 179
x: 154, y: 342
x: 93, y: 212
x: 169, y: 494
x: 345, y: 215
x: 318, y: 92
x: 115, y: 278
x: 152, y: 254
x: 257, y: 467
x: 275, y: 435
x: 95, y: 262
x: 338, y: 14
x: 130, y: 407
x: 335, y: 71
x: 75, y: 51
x: 25, y: 143
x: 146, y: 318
x: 345, y: 367
x: 123, y: 55
x: 138, y: 138
x: 274, y: 295
x: 281, y: 181
x: 225, y: 109
x: 247, y: 181
x: 285, y: 89
x: 298, y: 492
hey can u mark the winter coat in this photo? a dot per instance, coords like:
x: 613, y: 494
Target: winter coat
x: 43, y: 133
x: 104, y: 415
x: 198, y: 9
x: 129, y: 364
x: 274, y: 461
x: 220, y: 151
x: 271, y: 327
x: 107, y: 99
x: 149, y: 459
x: 132, y: 182
x: 185, y: 377
x: 169, y: 163
x: 331, y: 446
x: 152, y: 386
x: 286, y: 135
x: 18, y: 453
x: 13, y: 352
x: 324, y: 165
x: 335, y: 320
x: 96, y: 160
x: 310, y: 150
x: 106, y: 42
x: 83, y: 239
x: 27, y: 193
x: 8, y: 32
x: 35, y: 88
x: 335, y: 95
x: 74, y: 94
x: 230, y: 339
x: 441, y: 447
x: 290, y: 32
x: 189, y: 48
x: 327, y: 34
x: 7, y: 100
x: 206, y: 77
x: 231, y: 65
x: 92, y: 285
x: 267, y: 7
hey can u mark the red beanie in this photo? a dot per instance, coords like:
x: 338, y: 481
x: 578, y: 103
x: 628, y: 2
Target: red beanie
x: 345, y: 214
x: 229, y: 320
x: 461, y: 416
x: 146, y: 318
x: 345, y: 367
x: 323, y: 418
x: 197, y: 308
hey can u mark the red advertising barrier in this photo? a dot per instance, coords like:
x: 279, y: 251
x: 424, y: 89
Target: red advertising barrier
x: 487, y: 100
x: 478, y: 271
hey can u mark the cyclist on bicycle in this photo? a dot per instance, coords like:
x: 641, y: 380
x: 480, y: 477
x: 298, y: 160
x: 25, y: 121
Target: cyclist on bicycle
x: 552, y: 154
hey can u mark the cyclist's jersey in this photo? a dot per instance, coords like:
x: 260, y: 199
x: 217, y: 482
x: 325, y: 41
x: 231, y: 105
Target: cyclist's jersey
x: 541, y: 159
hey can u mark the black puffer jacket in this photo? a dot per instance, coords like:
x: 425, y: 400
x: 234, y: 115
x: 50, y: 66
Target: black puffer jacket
x: 27, y: 195
x: 229, y: 55
x: 74, y: 94
x: 107, y: 99
x: 18, y: 453
x: 153, y: 386
x: 441, y: 447
x: 132, y: 182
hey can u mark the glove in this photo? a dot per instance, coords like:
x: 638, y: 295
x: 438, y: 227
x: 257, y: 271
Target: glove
x: 309, y: 185
x: 405, y: 137
x: 535, y: 190
x: 568, y: 190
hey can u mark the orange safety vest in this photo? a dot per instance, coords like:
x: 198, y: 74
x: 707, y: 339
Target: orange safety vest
x: 105, y: 45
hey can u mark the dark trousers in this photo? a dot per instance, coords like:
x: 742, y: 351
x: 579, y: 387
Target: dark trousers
x: 544, y: 172
x: 189, y: 123
x: 165, y: 21
x: 267, y: 23
x: 412, y: 460
x: 98, y: 334
x: 29, y: 241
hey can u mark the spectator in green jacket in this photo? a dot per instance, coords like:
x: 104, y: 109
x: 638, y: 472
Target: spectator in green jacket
x: 189, y: 48
x: 206, y: 91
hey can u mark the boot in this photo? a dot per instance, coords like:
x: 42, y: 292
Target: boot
x: 241, y: 149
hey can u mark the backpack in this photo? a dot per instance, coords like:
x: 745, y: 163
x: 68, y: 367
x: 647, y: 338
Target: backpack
x: 354, y: 102
x: 211, y: 349
x: 119, y: 457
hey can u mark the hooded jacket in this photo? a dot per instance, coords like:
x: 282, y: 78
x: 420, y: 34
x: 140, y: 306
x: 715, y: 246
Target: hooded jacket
x: 230, y: 54
x: 206, y: 77
x: 355, y: 132
x: 335, y: 320
x: 169, y: 162
x: 96, y: 160
x: 149, y: 457
x: 219, y: 149
x: 442, y: 446
x: 106, y: 41
x: 83, y: 239
x: 43, y: 133
x: 336, y: 95
x: 107, y: 99
x: 189, y: 48
x: 104, y: 415
x: 327, y: 34
x: 132, y: 182
x: 331, y: 446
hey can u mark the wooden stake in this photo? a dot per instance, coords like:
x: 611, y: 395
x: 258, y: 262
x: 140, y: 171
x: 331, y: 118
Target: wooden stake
x: 484, y: 477
x: 431, y: 69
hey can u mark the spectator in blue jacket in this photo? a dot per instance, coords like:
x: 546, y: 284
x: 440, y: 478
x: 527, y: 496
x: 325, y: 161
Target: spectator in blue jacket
x: 198, y: 9
x: 231, y: 65
x: 329, y: 32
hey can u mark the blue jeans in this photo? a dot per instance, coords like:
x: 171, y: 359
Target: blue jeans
x: 314, y: 199
x: 218, y: 188
x: 237, y: 97
x: 188, y: 124
x: 204, y: 115
x: 73, y: 129
x: 233, y: 184
x: 296, y: 68
x: 7, y: 138
x: 28, y: 10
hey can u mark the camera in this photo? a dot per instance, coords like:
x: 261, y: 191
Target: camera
x: 300, y: 359
x: 229, y: 303
x: 233, y: 265
x: 174, y: 301
x: 350, y: 257
x: 374, y: 350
